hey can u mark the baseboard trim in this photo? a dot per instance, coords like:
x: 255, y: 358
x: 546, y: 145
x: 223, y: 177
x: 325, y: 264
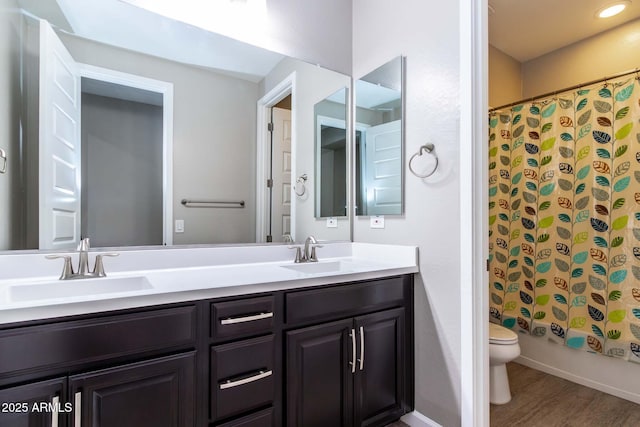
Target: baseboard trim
x: 416, y: 419
x: 623, y: 394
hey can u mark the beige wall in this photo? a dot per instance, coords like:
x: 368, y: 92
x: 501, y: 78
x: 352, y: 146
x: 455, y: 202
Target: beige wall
x: 599, y: 56
x: 505, y: 78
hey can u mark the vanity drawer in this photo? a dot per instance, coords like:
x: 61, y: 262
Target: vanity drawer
x: 73, y: 343
x: 262, y: 418
x: 328, y: 303
x: 242, y: 376
x: 249, y: 316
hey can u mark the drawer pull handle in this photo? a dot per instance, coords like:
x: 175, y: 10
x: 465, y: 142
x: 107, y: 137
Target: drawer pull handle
x: 352, y: 334
x: 55, y: 402
x: 234, y: 320
x: 259, y: 376
x: 78, y: 410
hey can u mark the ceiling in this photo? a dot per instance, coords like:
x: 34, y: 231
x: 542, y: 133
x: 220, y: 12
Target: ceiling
x: 119, y: 23
x: 527, y: 29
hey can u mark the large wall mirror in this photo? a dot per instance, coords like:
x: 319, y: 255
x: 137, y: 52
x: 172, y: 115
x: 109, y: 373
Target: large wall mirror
x: 379, y: 136
x: 331, y: 155
x: 134, y: 129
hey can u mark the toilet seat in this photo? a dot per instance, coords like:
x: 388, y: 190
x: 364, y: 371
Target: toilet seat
x: 500, y: 335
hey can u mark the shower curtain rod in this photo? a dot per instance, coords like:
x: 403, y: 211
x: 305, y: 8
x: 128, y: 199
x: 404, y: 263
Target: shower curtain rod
x: 567, y: 89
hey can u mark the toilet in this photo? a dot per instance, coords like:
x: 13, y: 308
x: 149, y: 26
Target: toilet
x: 503, y: 348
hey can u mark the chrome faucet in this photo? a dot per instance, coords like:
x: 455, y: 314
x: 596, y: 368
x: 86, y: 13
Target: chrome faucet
x: 83, y: 263
x: 309, y: 254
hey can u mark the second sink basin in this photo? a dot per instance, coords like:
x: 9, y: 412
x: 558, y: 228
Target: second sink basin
x: 76, y: 288
x: 321, y: 267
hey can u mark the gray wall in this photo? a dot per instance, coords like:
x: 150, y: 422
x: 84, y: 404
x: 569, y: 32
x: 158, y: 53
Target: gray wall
x: 11, y: 197
x: 213, y: 137
x: 121, y: 172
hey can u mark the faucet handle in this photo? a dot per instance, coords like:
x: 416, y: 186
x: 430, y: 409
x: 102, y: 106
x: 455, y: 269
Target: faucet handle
x: 298, y: 258
x: 98, y: 268
x: 313, y: 257
x: 67, y: 268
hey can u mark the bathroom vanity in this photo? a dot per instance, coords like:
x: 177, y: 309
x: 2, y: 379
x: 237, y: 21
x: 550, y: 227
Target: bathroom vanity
x: 327, y: 343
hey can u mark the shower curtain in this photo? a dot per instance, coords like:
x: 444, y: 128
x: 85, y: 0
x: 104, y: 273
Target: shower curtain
x: 564, y: 215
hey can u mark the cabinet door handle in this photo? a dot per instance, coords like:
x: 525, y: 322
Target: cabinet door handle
x: 352, y: 334
x: 77, y: 416
x: 233, y: 320
x: 361, y: 360
x: 54, y: 413
x: 259, y: 376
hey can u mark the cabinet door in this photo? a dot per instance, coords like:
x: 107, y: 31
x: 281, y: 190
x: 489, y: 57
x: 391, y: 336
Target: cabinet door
x: 156, y: 393
x: 33, y: 405
x: 381, y: 358
x: 319, y: 382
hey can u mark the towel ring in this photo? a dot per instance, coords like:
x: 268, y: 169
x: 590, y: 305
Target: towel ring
x: 427, y: 148
x: 299, y: 187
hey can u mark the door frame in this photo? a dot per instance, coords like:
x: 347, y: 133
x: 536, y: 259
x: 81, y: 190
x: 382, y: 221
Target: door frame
x: 166, y: 90
x: 286, y: 87
x: 474, y: 240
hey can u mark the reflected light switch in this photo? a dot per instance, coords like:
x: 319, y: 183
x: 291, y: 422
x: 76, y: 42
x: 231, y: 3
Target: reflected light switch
x: 179, y: 225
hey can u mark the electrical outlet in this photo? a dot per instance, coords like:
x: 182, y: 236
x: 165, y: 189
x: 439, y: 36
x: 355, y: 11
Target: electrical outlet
x: 332, y: 222
x: 377, y: 221
x: 179, y: 225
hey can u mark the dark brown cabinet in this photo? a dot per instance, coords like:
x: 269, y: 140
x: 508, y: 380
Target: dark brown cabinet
x: 156, y: 393
x: 354, y: 371
x: 33, y: 405
x: 332, y: 355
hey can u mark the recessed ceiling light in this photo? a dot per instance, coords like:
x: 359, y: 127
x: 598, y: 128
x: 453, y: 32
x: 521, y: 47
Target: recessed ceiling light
x: 612, y: 9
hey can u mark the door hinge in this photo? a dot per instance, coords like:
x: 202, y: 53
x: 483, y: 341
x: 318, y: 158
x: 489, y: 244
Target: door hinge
x: 269, y: 183
x: 270, y: 127
x: 487, y: 264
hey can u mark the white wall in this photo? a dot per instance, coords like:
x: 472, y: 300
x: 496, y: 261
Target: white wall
x: 213, y: 140
x: 427, y: 32
x: 313, y: 84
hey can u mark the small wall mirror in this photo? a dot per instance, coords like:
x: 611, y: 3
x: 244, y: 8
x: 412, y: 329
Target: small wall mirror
x: 331, y: 155
x: 379, y: 140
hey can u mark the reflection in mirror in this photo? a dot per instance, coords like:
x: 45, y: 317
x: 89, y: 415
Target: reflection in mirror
x: 331, y: 155
x: 379, y: 141
x: 203, y: 130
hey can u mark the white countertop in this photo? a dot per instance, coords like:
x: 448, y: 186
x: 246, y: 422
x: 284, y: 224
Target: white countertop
x: 178, y: 275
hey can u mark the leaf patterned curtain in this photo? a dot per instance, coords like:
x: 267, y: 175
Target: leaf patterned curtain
x: 564, y: 215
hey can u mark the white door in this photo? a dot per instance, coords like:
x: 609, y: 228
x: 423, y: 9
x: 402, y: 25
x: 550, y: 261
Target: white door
x: 281, y: 175
x: 59, y: 144
x: 383, y: 165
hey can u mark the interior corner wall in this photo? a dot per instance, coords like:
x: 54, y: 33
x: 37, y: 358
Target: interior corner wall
x: 213, y: 139
x: 505, y: 78
x: 313, y: 84
x: 602, y: 55
x: 430, y: 41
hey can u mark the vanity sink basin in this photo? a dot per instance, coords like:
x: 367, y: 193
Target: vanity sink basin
x: 321, y: 267
x: 77, y: 288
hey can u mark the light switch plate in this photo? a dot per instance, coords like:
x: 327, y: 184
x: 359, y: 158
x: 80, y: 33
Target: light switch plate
x: 179, y: 225
x: 377, y: 221
x: 332, y: 222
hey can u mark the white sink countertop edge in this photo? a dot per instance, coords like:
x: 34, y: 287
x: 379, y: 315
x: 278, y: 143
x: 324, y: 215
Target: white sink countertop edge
x: 181, y: 284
